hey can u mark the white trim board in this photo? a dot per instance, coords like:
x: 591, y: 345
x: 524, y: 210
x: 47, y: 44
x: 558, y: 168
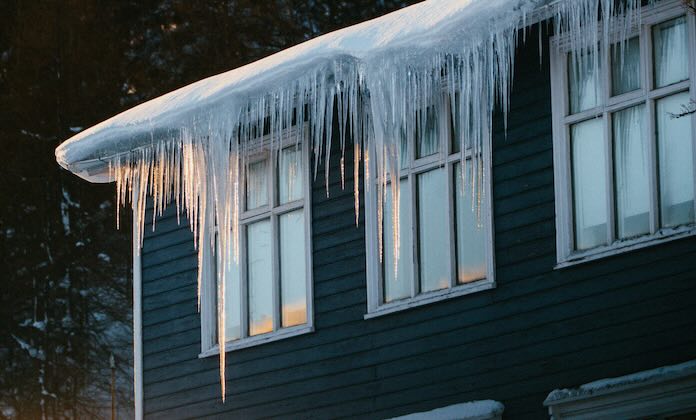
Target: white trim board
x: 137, y: 317
x: 664, y: 391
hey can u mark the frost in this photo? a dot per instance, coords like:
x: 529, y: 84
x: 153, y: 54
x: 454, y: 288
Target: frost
x: 104, y: 257
x: 474, y: 410
x: 659, y: 374
x: 190, y: 147
x: 33, y: 352
x: 76, y: 129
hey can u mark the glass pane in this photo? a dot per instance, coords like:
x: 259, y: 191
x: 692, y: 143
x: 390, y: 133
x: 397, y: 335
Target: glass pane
x: 260, y: 275
x: 399, y: 287
x: 471, y: 251
x: 584, y: 82
x: 632, y: 172
x: 290, y: 174
x: 670, y: 51
x: 675, y: 162
x: 233, y: 302
x: 625, y: 68
x: 589, y: 184
x: 428, y: 136
x: 293, y: 274
x: 433, y: 246
x: 257, y: 185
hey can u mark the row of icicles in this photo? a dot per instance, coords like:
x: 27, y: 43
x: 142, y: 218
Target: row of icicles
x: 375, y: 104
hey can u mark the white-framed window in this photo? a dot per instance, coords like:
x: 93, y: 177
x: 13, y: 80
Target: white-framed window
x: 445, y: 226
x: 268, y: 293
x: 623, y: 166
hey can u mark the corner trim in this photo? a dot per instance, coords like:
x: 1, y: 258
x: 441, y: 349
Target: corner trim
x: 137, y: 316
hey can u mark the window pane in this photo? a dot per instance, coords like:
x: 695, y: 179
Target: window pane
x: 584, y: 83
x: 632, y: 172
x: 670, y: 51
x: 290, y: 174
x: 257, y: 185
x: 399, y: 287
x: 625, y: 68
x: 471, y: 251
x: 428, y: 136
x: 675, y: 162
x: 433, y: 246
x: 589, y: 184
x: 293, y: 274
x: 232, y: 302
x: 260, y: 275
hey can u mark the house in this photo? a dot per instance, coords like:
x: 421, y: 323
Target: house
x: 537, y: 259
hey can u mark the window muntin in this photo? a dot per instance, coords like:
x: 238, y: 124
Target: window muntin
x: 445, y: 237
x: 616, y: 181
x: 268, y: 293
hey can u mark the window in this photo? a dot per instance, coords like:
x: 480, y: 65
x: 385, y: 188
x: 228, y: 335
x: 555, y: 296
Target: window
x: 624, y: 167
x: 445, y: 238
x: 268, y: 293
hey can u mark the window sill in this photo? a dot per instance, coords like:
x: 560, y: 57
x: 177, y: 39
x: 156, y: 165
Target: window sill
x: 662, y: 236
x: 430, y: 297
x: 258, y: 340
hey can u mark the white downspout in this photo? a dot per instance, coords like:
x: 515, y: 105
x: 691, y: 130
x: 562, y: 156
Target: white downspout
x: 137, y: 316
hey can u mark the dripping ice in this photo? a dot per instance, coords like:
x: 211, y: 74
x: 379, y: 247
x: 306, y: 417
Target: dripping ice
x: 190, y: 147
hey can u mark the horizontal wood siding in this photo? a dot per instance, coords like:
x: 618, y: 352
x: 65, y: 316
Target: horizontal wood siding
x: 540, y: 328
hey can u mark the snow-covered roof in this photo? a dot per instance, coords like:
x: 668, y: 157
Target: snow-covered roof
x: 610, y: 384
x: 474, y: 410
x: 419, y: 30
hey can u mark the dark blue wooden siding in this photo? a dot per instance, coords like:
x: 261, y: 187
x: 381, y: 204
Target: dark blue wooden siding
x: 540, y: 328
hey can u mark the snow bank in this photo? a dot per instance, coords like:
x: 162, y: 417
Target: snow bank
x: 190, y: 146
x: 474, y: 410
x: 606, y: 385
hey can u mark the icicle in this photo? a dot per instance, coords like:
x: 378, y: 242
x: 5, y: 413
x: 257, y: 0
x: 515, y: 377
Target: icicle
x: 378, y: 100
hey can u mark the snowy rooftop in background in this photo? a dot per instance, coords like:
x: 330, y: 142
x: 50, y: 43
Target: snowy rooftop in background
x: 474, y: 410
x: 419, y: 30
x: 607, y: 385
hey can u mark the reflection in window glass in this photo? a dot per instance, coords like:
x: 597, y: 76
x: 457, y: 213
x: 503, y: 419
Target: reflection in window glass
x: 233, y: 322
x: 428, y: 136
x: 470, y: 238
x: 625, y: 69
x: 399, y: 287
x: 632, y: 172
x: 290, y: 174
x: 589, y: 184
x: 675, y: 162
x: 583, y: 83
x: 670, y: 52
x: 433, y: 246
x: 257, y: 185
x: 260, y: 277
x: 293, y: 285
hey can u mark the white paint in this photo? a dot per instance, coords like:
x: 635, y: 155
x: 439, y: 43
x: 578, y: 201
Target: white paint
x: 137, y: 319
x: 655, y: 393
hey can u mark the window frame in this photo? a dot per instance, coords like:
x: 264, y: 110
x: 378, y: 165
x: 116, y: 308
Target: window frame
x: 264, y: 148
x: 417, y: 166
x: 566, y: 255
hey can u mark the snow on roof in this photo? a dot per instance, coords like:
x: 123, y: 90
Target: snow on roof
x: 474, y: 410
x: 609, y: 384
x: 421, y: 29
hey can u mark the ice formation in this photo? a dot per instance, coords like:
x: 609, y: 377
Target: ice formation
x: 190, y: 146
